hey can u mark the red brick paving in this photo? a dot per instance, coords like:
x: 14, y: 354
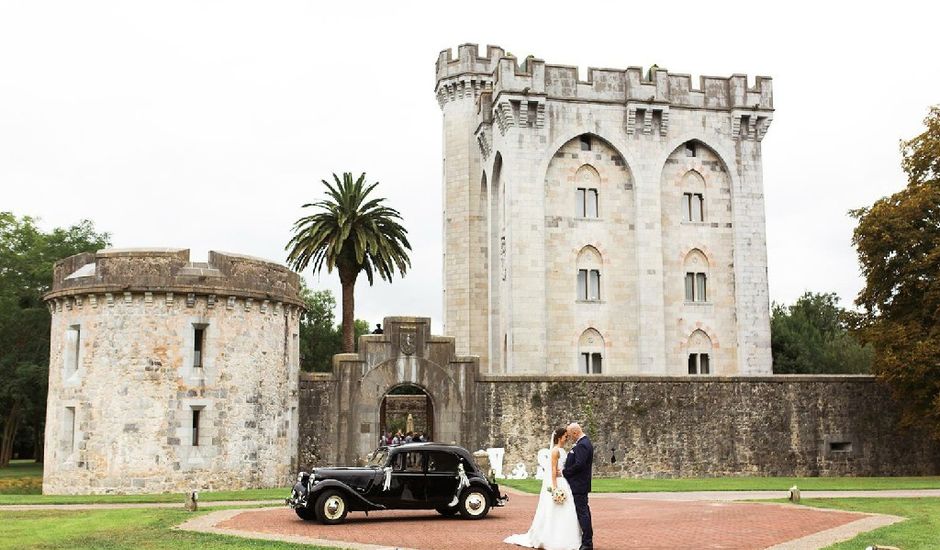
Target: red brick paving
x: 618, y: 524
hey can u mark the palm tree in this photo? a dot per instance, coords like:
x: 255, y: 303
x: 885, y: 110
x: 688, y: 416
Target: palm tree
x: 352, y: 233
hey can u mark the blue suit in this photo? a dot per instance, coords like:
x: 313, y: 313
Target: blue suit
x: 577, y: 471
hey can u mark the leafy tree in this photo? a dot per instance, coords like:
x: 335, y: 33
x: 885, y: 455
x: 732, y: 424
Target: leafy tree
x: 352, y: 233
x: 813, y: 336
x: 320, y: 337
x: 898, y: 243
x: 27, y: 255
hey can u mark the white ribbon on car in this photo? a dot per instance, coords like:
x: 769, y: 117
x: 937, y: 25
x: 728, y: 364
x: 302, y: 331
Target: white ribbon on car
x: 388, y: 479
x: 463, y: 482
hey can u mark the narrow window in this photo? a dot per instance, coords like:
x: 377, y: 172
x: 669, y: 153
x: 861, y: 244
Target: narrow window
x: 580, y: 205
x: 693, y: 359
x: 582, y: 284
x: 591, y: 203
x: 69, y: 425
x: 689, y: 287
x: 703, y: 363
x: 73, y: 337
x: 196, y: 414
x: 690, y: 149
x: 199, y: 335
x: 585, y: 143
x: 687, y: 207
x: 698, y: 363
x: 594, y: 285
x: 596, y: 363
x: 700, y: 294
x: 585, y: 363
x: 695, y: 213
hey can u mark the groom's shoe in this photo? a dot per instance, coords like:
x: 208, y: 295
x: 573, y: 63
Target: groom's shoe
x: 586, y: 548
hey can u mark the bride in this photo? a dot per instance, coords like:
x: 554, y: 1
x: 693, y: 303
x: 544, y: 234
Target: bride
x: 555, y: 526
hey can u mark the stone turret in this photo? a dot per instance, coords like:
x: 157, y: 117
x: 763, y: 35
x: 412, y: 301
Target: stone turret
x: 171, y: 375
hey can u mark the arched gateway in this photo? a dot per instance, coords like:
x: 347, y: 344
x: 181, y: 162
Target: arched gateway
x: 405, y: 356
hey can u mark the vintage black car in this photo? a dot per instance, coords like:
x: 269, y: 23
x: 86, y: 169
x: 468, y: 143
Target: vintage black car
x: 416, y: 476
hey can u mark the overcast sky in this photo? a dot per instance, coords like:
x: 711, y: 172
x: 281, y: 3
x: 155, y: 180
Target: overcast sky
x: 208, y: 124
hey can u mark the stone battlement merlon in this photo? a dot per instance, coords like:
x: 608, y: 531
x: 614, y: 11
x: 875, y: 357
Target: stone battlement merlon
x: 561, y: 82
x: 170, y: 270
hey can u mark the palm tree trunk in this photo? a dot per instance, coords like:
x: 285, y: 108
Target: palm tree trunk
x: 347, y: 277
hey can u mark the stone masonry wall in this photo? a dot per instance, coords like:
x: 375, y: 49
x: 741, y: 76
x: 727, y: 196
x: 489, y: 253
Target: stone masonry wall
x: 681, y: 427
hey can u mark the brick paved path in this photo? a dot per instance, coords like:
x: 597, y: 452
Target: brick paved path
x: 618, y: 524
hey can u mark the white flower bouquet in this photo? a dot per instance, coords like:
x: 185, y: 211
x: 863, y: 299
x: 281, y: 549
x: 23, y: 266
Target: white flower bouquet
x: 558, y: 496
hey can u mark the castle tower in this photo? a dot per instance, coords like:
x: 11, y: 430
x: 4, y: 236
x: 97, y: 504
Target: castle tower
x: 613, y: 225
x: 169, y: 375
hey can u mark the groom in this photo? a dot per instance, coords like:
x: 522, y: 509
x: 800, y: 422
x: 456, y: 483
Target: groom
x: 577, y: 471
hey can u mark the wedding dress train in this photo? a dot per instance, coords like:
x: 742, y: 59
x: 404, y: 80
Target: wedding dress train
x: 555, y: 526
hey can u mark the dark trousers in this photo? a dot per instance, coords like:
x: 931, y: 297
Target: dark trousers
x: 584, y: 519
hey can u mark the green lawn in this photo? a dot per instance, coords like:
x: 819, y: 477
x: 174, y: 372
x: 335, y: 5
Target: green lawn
x: 215, y: 496
x: 146, y: 529
x: 22, y: 468
x: 617, y: 485
x: 920, y: 532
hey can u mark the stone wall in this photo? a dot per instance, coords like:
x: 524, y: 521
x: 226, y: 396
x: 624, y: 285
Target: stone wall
x: 318, y: 436
x: 691, y: 427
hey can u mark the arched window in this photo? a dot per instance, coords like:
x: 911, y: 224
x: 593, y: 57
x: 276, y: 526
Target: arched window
x: 693, y: 197
x: 589, y: 274
x: 590, y: 352
x: 587, y: 182
x: 696, y: 277
x: 700, y: 346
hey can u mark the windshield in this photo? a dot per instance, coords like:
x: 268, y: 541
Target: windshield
x: 378, y: 457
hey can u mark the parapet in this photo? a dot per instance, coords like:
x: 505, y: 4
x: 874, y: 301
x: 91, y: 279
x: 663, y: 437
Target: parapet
x: 656, y: 86
x: 169, y: 270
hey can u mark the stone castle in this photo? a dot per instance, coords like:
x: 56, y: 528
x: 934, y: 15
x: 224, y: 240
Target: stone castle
x: 604, y: 262
x: 167, y: 374
x: 612, y: 226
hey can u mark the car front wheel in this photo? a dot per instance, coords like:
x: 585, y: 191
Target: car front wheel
x: 474, y: 504
x: 305, y: 514
x: 331, y: 507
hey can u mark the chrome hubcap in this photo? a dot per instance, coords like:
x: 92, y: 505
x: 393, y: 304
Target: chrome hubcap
x: 475, y: 502
x: 334, y: 507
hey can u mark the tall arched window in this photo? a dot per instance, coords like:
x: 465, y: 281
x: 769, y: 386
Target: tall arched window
x: 693, y: 197
x: 696, y: 277
x: 587, y: 183
x: 700, y: 347
x: 590, y: 352
x: 589, y: 274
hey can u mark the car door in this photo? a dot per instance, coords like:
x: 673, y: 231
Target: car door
x: 441, y: 477
x: 407, y: 488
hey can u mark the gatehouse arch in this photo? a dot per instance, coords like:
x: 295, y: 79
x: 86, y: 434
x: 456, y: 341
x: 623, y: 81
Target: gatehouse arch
x: 406, y: 355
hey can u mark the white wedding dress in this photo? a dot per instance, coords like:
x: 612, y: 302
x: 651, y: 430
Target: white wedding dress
x: 555, y: 526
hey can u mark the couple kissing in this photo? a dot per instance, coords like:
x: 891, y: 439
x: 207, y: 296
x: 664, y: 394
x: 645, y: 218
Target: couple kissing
x: 563, y: 518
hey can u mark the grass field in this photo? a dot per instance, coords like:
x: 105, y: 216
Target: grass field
x: 214, y: 496
x: 147, y: 529
x: 21, y: 468
x: 616, y: 485
x: 920, y: 532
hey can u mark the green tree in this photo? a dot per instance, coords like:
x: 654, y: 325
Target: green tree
x: 320, y: 337
x: 814, y: 336
x: 352, y: 233
x: 27, y: 255
x: 898, y: 243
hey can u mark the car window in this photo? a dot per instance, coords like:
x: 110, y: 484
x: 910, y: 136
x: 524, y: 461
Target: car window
x: 408, y: 462
x: 442, y: 462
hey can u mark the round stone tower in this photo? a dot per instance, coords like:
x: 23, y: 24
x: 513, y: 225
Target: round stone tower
x: 171, y: 375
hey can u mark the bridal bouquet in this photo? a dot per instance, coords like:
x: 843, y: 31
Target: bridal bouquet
x: 558, y: 496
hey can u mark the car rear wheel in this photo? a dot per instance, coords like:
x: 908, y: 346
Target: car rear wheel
x: 474, y: 504
x: 305, y: 514
x: 331, y: 507
x: 449, y: 512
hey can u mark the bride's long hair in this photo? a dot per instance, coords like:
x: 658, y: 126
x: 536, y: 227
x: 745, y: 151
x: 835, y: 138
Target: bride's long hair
x: 556, y: 435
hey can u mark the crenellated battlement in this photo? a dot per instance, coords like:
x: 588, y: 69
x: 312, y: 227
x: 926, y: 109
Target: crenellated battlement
x: 534, y: 77
x: 148, y: 270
